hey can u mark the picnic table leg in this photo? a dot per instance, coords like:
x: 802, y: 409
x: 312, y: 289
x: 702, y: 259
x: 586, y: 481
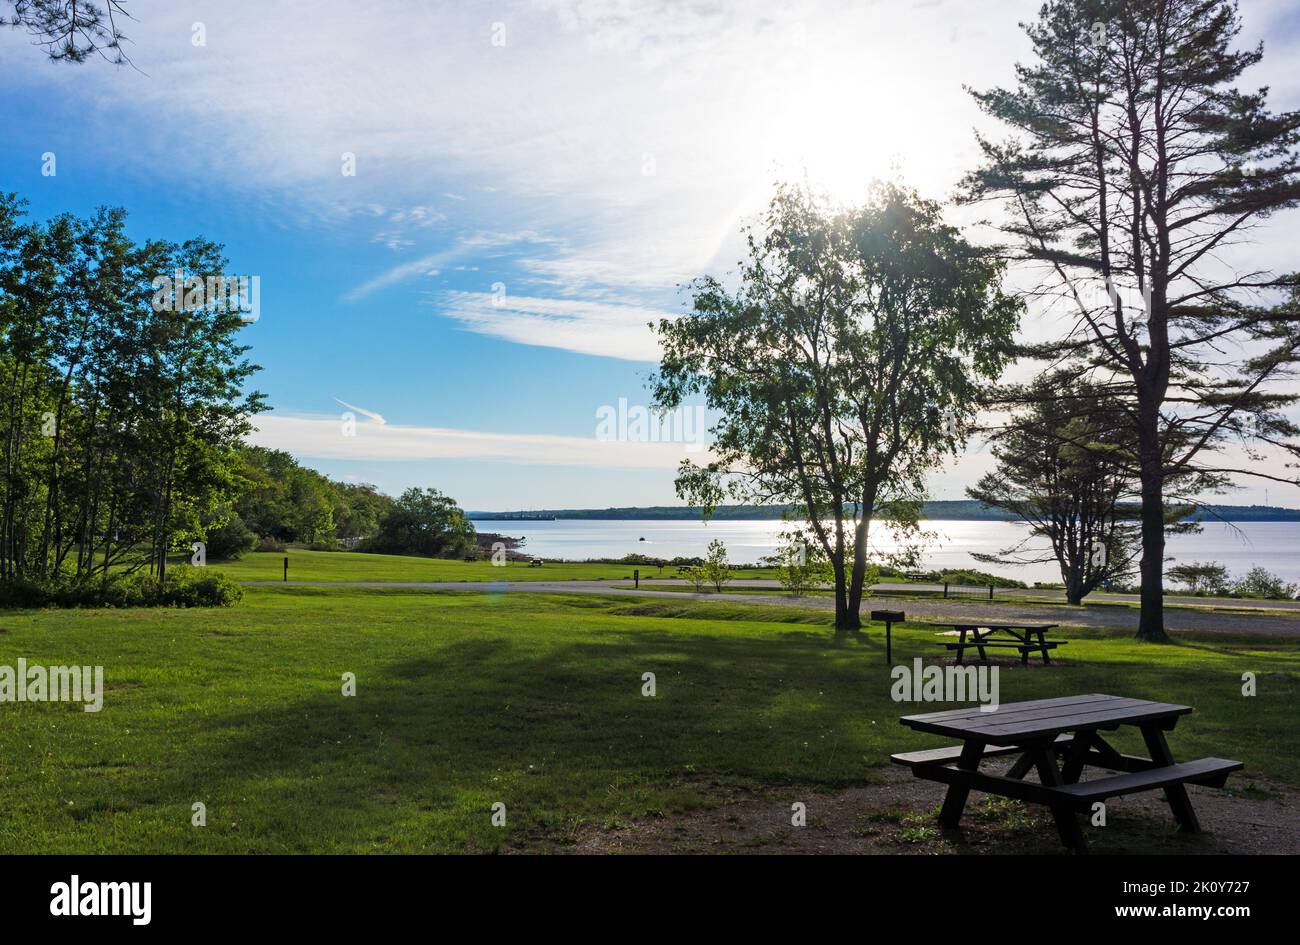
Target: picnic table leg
x: 1075, y: 753
x: 1108, y: 756
x: 1042, y: 645
x: 961, y: 644
x: 1071, y: 757
x: 1025, y: 643
x: 955, y: 802
x: 1175, y: 794
x: 1067, y: 825
x: 1021, y: 766
x: 984, y: 657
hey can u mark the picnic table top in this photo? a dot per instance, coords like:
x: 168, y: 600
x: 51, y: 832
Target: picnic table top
x: 995, y: 625
x: 1016, y: 722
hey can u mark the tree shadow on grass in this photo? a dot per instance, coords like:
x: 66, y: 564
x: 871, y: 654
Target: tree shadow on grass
x: 558, y: 733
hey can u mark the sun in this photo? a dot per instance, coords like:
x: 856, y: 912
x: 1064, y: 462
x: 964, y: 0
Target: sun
x: 841, y: 129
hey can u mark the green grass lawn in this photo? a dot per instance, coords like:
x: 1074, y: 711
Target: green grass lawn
x: 353, y: 566
x: 468, y: 698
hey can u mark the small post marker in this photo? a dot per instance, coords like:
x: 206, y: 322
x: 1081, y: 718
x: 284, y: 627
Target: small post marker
x: 636, y: 576
x: 286, y: 568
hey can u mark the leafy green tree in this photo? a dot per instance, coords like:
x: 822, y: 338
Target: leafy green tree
x: 716, y: 569
x: 358, y: 509
x: 191, y: 410
x: 1065, y: 468
x: 845, y: 366
x: 120, y: 419
x: 1134, y: 160
x: 424, y: 522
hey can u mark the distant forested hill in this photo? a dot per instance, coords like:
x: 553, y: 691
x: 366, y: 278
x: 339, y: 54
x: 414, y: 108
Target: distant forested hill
x: 946, y: 509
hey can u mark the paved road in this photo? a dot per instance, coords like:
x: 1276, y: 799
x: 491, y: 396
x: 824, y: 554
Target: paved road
x: 938, y: 610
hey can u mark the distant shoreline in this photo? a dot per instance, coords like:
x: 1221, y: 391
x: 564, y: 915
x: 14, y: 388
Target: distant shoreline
x: 939, y: 510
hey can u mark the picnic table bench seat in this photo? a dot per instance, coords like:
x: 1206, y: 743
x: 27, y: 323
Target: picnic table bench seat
x: 1209, y: 772
x: 1046, y: 645
x: 951, y: 754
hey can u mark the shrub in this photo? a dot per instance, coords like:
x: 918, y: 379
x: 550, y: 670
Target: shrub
x: 967, y: 577
x: 269, y: 543
x: 870, y: 578
x: 1201, y: 577
x: 24, y: 593
x: 198, y: 587
x: 229, y: 541
x: 1260, y: 582
x: 185, y: 587
x: 800, y: 565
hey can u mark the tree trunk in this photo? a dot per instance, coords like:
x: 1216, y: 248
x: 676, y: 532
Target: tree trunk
x: 1151, y: 622
x: 842, y: 615
x: 846, y: 618
x: 858, y: 583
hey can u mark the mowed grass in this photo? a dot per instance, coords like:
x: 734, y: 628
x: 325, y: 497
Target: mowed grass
x: 353, y: 566
x: 464, y: 699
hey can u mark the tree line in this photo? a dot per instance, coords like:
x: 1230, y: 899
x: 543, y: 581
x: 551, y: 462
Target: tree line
x: 121, y: 403
x: 125, y: 401
x: 281, y: 502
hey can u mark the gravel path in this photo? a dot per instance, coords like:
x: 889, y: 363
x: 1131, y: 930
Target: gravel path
x: 1120, y: 617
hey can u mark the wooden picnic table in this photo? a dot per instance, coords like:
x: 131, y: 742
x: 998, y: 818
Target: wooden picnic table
x: 1059, y: 738
x: 1025, y: 637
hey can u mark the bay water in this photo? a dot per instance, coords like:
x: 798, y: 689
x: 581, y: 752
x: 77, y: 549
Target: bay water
x: 1240, y: 546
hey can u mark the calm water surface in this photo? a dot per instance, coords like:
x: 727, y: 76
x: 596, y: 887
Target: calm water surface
x: 1273, y: 545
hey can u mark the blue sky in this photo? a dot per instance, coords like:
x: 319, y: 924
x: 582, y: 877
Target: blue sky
x: 533, y: 180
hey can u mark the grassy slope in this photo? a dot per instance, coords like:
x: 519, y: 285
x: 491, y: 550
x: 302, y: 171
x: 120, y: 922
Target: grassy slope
x: 467, y: 698
x: 353, y: 566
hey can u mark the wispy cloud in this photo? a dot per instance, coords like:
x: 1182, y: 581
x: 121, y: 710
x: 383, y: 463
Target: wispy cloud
x: 582, y: 325
x: 639, y: 132
x: 363, y: 411
x: 315, y: 437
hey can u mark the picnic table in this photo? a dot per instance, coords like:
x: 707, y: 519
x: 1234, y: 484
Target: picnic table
x: 1025, y: 637
x: 1059, y: 738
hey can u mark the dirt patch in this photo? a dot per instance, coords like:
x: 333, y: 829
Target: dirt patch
x: 895, y: 814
